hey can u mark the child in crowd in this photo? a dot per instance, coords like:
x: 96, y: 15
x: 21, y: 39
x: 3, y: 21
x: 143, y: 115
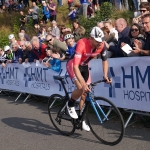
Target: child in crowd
x: 72, y: 13
x: 52, y: 60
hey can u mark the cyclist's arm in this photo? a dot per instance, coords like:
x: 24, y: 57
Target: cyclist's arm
x: 105, y: 63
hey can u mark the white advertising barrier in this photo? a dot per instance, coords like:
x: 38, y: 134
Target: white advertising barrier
x: 130, y: 88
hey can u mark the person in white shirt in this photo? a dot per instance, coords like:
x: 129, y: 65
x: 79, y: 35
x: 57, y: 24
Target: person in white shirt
x: 108, y: 23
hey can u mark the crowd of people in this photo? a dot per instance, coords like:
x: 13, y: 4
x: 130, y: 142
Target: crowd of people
x: 55, y: 38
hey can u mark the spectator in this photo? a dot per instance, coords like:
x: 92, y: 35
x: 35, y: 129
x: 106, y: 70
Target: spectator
x: 42, y: 33
x: 144, y: 8
x: 55, y: 43
x: 46, y: 12
x: 52, y: 7
x: 22, y: 19
x: 50, y: 61
x: 38, y: 48
x: 72, y: 13
x: 70, y: 3
x: 69, y: 39
x: 17, y: 53
x: 21, y: 37
x: 123, y: 36
x: 109, y: 37
x: 22, y: 30
x: 22, y: 45
x: 138, y: 44
x: 83, y: 8
x: 12, y: 39
x: 135, y: 33
x: 2, y: 57
x: 9, y: 53
x: 100, y: 24
x: 30, y: 56
x: 34, y: 11
x: 108, y: 23
x: 55, y: 30
x: 49, y: 31
x: 78, y: 30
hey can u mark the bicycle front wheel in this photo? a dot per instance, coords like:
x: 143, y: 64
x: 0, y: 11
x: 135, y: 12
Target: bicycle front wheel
x: 59, y: 115
x: 109, y: 128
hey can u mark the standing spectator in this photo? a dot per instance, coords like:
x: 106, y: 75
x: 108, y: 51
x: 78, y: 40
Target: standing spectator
x: 78, y: 30
x: 46, y: 12
x: 52, y: 7
x: 83, y: 8
x: 70, y: 3
x: 55, y: 30
x: 22, y: 20
x: 123, y: 31
x: 60, y: 2
x: 138, y: 44
x: 38, y: 48
x: 34, y: 11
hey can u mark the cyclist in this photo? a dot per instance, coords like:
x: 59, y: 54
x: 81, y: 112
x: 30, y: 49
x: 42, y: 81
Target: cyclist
x: 77, y: 67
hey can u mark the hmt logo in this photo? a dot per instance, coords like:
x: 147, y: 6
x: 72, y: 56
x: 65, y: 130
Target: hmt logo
x: 115, y: 83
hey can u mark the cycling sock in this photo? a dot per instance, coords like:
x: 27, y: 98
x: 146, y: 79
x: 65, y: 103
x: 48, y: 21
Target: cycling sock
x: 71, y: 102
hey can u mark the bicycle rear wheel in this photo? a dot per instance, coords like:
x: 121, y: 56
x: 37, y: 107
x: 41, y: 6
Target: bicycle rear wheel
x: 60, y: 118
x: 111, y: 130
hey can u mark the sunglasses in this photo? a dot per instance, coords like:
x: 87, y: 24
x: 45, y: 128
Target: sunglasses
x: 143, y: 10
x: 48, y: 40
x: 134, y: 30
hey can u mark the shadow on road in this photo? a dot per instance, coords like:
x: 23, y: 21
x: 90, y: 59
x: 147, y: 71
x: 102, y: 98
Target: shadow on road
x: 29, y: 125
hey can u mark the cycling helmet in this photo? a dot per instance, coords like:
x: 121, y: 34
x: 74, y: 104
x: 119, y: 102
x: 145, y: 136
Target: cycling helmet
x: 97, y: 34
x: 68, y: 36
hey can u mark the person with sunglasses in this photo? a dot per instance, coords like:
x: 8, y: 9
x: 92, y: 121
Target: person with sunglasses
x: 138, y: 49
x: 52, y: 42
x: 78, y: 70
x: 135, y: 33
x: 144, y: 8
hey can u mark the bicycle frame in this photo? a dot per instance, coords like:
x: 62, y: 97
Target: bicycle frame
x: 89, y: 98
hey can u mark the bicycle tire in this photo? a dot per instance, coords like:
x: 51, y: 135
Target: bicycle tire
x: 61, y: 121
x: 111, y: 131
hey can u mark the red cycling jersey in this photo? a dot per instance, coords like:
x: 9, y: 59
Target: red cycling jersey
x: 84, y: 52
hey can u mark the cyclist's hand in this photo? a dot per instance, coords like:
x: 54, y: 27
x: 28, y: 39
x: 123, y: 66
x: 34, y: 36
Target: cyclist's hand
x: 86, y: 88
x: 108, y: 80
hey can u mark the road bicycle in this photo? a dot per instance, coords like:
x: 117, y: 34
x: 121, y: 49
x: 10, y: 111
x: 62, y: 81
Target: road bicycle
x: 103, y: 117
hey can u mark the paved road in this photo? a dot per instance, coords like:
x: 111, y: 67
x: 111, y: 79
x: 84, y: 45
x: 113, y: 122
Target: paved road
x: 26, y: 126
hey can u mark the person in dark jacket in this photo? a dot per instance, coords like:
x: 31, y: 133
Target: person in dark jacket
x: 17, y: 53
x: 30, y: 56
x: 123, y: 34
